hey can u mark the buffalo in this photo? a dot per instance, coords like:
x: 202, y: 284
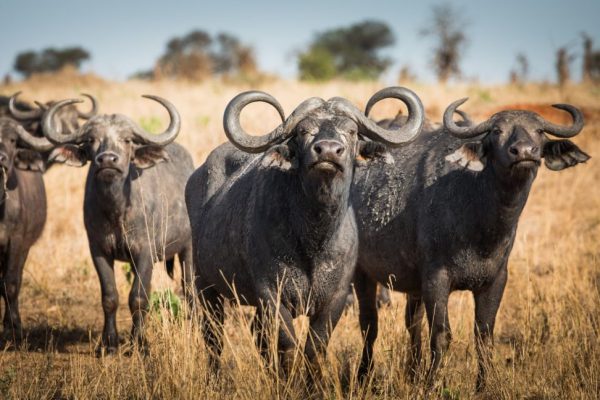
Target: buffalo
x: 134, y: 209
x: 272, y: 224
x: 22, y: 215
x: 443, y: 217
x: 66, y: 119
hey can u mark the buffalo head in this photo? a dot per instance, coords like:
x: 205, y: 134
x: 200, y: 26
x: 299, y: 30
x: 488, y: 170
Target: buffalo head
x: 322, y: 139
x: 110, y: 142
x: 66, y: 120
x: 13, y: 155
x: 514, y: 142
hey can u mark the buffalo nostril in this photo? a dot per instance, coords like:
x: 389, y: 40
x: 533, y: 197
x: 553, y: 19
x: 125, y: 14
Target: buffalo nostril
x: 318, y: 149
x: 534, y: 149
x: 514, y: 150
x: 339, y: 151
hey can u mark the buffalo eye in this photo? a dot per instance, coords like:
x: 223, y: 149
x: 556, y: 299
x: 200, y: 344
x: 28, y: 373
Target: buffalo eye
x: 496, y: 131
x: 127, y: 141
x: 540, y: 131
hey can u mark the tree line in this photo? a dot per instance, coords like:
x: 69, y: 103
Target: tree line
x: 354, y: 52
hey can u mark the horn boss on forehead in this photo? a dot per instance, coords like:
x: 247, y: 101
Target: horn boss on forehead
x: 161, y: 139
x: 257, y: 144
x: 465, y: 132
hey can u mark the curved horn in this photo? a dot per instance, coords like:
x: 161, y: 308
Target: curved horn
x: 408, y: 131
x: 172, y: 130
x: 565, y: 131
x: 22, y: 114
x: 463, y: 132
x: 41, y: 105
x: 465, y: 117
x: 37, y: 143
x: 256, y: 144
x: 48, y: 127
x: 392, y: 137
x: 94, y: 109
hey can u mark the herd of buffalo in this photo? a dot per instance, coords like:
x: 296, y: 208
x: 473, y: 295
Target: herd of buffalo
x: 287, y: 222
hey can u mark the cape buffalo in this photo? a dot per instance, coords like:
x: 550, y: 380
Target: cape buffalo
x: 22, y: 216
x: 134, y: 209
x: 66, y: 119
x: 443, y: 217
x: 277, y: 230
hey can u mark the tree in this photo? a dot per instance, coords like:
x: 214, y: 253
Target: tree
x: 350, y: 52
x: 49, y: 60
x: 563, y: 61
x: 197, y: 55
x: 518, y: 75
x: 232, y: 57
x: 447, y: 28
x: 316, y: 64
x: 586, y: 74
x: 595, y: 66
x: 591, y: 61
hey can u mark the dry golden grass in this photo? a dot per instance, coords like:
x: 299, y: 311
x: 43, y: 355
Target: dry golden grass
x: 547, y: 330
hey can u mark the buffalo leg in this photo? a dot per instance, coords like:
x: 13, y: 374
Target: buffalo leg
x: 487, y: 302
x: 413, y: 321
x: 110, y: 299
x: 11, y: 286
x: 286, y: 340
x: 321, y: 328
x: 366, y: 291
x: 187, y: 275
x: 212, y: 324
x: 436, y: 290
x: 139, y: 295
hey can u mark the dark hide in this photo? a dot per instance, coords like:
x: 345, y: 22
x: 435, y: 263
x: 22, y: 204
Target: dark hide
x: 442, y: 218
x: 22, y: 219
x: 134, y: 211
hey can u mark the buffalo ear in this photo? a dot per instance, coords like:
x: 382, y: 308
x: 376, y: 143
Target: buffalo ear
x: 280, y: 157
x: 561, y: 154
x: 470, y: 155
x: 371, y: 151
x: 29, y: 160
x: 148, y: 156
x: 68, y: 154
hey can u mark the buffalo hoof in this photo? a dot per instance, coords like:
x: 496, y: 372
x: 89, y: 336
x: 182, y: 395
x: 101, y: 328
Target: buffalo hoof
x: 137, y: 344
x: 106, y: 351
x: 11, y: 339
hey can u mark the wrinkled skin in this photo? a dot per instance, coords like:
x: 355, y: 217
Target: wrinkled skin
x: 22, y: 219
x: 278, y: 228
x: 442, y: 218
x: 134, y: 211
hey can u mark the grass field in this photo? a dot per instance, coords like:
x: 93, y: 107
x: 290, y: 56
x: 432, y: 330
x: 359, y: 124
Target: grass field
x: 547, y: 330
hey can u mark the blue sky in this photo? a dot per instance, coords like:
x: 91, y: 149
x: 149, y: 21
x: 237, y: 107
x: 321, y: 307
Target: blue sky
x: 129, y: 35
